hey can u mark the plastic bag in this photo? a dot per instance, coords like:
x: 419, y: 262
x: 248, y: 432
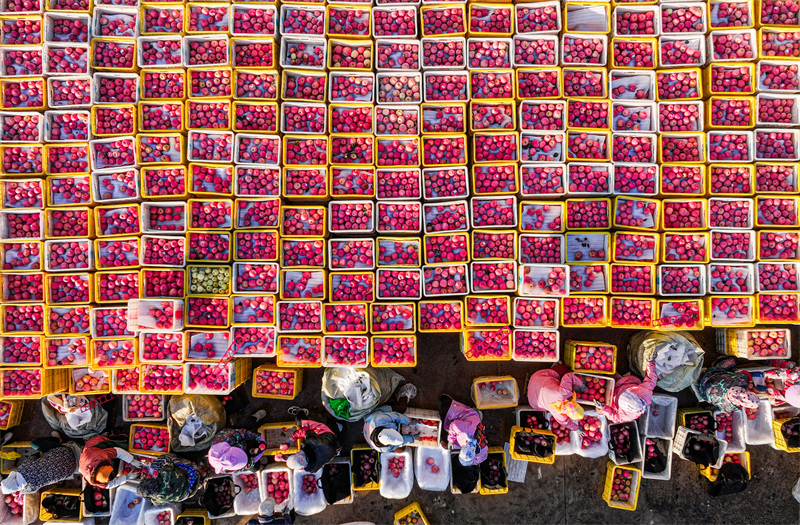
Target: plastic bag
x: 702, y: 449
x: 657, y: 463
x: 790, y: 432
x: 207, y: 409
x: 731, y: 479
x: 679, y: 358
x: 465, y: 479
x: 352, y: 393
x: 71, y: 418
x: 335, y: 482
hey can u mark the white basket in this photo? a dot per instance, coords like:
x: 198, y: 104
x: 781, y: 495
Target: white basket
x: 603, y: 57
x: 636, y: 9
x: 262, y: 487
x: 246, y: 503
x: 299, y: 39
x: 553, y: 4
x: 795, y: 110
x: 284, y: 8
x: 400, y: 487
x: 557, y: 50
x: 359, y: 74
x: 660, y: 426
x: 187, y: 44
x: 729, y: 33
x: 641, y: 78
x: 693, y: 41
x: 685, y: 5
x: 515, y: 357
x: 666, y: 474
x: 702, y: 289
x: 39, y: 126
x: 683, y: 434
x: 146, y: 39
x: 636, y: 444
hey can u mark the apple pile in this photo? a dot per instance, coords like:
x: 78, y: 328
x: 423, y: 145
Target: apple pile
x: 699, y: 422
x: 621, y: 485
x: 150, y: 439
x: 310, y: 484
x: 725, y: 426
x: 250, y: 482
x: 535, y: 420
x: 145, y: 406
x: 595, y: 389
x: 562, y: 433
x: 596, y: 358
x: 365, y: 467
x: 396, y: 465
x: 592, y: 431
x: 278, y: 486
x: 621, y: 437
x: 16, y: 507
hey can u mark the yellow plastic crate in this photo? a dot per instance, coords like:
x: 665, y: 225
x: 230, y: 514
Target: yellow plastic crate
x: 374, y: 363
x: 73, y: 390
x: 52, y: 381
x: 666, y: 324
x: 712, y: 473
x: 7, y: 462
x: 570, y: 348
x: 780, y: 441
x: 530, y: 457
x: 114, y: 107
x: 161, y: 75
x: 147, y: 452
x: 451, y: 7
x: 647, y: 323
x: 635, y: 481
x: 466, y: 346
x: 407, y: 511
x: 286, y: 427
x: 513, y: 134
x: 484, y: 379
x: 46, y: 516
x: 199, y: 516
x: 492, y: 492
x: 491, y: 7
x: 452, y: 304
x: 684, y: 413
x: 372, y: 485
x: 298, y: 381
x: 281, y: 360
x: 15, y: 409
x: 601, y: 322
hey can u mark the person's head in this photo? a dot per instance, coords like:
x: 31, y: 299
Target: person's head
x: 225, y: 458
x: 104, y: 473
x: 297, y: 461
x: 631, y: 403
x: 741, y: 397
x: 571, y: 409
x: 792, y: 395
x: 386, y: 437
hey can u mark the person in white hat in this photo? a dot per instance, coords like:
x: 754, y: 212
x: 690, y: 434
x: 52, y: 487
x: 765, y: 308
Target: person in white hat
x: 382, y: 429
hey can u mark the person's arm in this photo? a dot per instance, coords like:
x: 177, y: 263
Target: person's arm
x: 570, y: 383
x: 121, y: 479
x: 400, y: 419
x: 127, y: 457
x: 609, y: 412
x: 565, y: 421
x: 651, y: 378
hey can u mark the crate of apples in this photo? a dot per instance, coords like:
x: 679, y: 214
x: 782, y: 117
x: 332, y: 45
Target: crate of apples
x: 596, y: 389
x: 148, y: 439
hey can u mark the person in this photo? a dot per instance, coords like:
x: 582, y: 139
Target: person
x: 235, y: 449
x: 382, y: 429
x: 788, y: 374
x: 318, y: 444
x: 96, y: 463
x: 631, y: 397
x: 266, y: 515
x: 553, y: 389
x: 58, y: 462
x: 726, y: 388
x: 462, y: 428
x: 174, y: 479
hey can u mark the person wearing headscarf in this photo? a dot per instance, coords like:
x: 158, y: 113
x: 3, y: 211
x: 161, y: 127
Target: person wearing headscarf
x: 97, y: 462
x: 318, y: 446
x: 382, y: 429
x: 788, y: 374
x: 462, y: 428
x: 553, y: 389
x: 59, y: 462
x: 631, y: 397
x: 174, y: 479
x: 726, y: 388
x: 235, y: 449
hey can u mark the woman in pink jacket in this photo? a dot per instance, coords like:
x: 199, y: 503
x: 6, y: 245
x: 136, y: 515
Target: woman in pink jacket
x: 631, y: 397
x: 553, y: 389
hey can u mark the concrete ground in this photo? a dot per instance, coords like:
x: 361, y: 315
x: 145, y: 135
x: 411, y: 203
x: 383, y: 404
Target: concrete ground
x: 568, y: 492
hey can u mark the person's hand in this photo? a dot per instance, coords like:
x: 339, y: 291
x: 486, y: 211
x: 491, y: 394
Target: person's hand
x: 267, y: 507
x: 599, y: 404
x: 135, y: 462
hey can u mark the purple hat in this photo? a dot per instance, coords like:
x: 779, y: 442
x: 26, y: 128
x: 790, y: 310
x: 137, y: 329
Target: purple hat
x: 225, y: 458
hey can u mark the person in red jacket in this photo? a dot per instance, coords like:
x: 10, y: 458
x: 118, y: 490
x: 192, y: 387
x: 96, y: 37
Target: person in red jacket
x: 96, y: 463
